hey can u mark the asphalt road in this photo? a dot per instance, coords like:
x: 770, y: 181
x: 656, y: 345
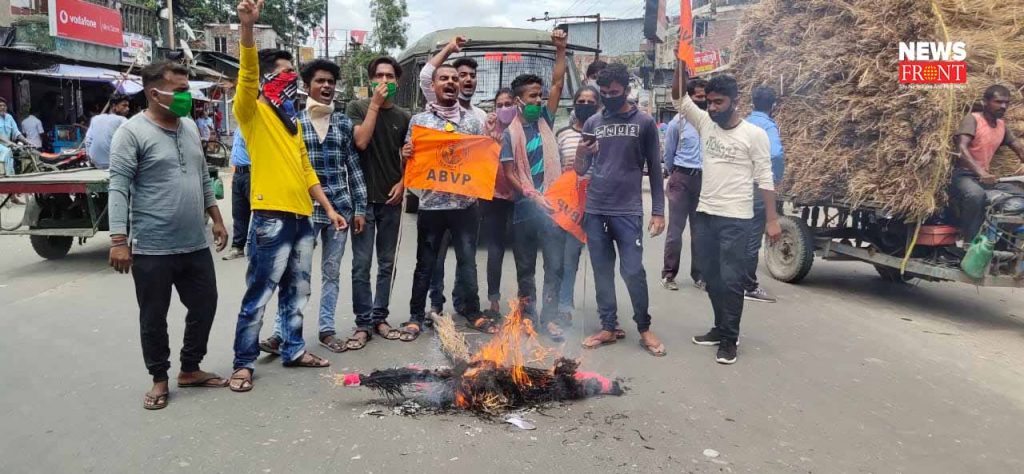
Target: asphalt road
x: 845, y: 374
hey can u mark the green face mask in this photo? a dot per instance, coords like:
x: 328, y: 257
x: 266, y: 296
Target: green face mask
x: 532, y: 112
x: 181, y: 102
x: 392, y: 88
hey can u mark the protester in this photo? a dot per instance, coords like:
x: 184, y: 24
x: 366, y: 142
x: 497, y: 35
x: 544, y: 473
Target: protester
x: 9, y: 135
x: 160, y: 189
x: 735, y: 154
x: 34, y: 132
x: 101, y: 131
x: 380, y: 130
x: 763, y: 98
x: 441, y: 212
x: 593, y: 70
x: 585, y: 104
x: 530, y: 159
x: 625, y: 139
x: 497, y: 213
x: 283, y: 180
x: 979, y: 136
x: 240, y: 190
x: 682, y: 156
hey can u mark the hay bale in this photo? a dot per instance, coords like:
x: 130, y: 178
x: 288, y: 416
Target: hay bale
x: 849, y: 130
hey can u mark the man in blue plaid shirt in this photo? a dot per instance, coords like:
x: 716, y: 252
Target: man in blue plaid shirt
x: 327, y: 132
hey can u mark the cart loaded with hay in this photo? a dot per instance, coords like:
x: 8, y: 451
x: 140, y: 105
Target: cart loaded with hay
x: 868, y: 160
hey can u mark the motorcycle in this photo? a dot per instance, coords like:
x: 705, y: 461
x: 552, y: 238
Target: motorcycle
x: 30, y: 160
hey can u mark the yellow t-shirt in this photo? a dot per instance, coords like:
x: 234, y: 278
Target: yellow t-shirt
x: 280, y: 174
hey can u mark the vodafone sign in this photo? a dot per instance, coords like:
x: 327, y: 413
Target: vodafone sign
x: 82, y: 21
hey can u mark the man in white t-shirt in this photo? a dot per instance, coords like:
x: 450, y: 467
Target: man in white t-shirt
x: 32, y: 127
x: 101, y: 131
x: 735, y: 156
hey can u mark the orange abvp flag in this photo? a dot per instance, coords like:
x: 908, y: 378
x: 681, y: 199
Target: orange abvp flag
x: 685, y: 51
x: 569, y: 200
x: 452, y: 162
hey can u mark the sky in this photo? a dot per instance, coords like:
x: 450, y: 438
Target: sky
x: 426, y: 16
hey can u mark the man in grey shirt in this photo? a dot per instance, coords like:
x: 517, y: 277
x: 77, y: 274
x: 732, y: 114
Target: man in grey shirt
x: 159, y: 181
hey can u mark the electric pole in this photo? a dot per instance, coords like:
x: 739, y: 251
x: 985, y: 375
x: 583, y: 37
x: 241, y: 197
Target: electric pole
x: 596, y: 16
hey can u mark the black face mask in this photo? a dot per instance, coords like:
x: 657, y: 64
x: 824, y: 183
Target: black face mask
x: 584, y: 111
x: 613, y: 104
x: 703, y: 104
x: 722, y: 117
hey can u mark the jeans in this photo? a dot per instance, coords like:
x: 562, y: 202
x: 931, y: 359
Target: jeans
x: 722, y: 249
x: 192, y: 275
x: 280, y: 254
x: 968, y: 195
x: 431, y: 227
x: 240, y: 211
x: 437, y: 299
x: 605, y: 235
x: 495, y: 223
x: 754, y: 243
x: 528, y: 237
x: 333, y: 244
x: 683, y: 193
x: 380, y: 232
x: 571, y: 265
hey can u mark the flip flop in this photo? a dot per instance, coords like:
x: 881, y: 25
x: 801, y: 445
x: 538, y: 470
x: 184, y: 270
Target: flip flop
x: 267, y: 346
x: 408, y: 335
x: 391, y: 334
x: 206, y: 382
x: 558, y: 335
x: 354, y: 343
x: 246, y: 384
x: 158, y: 402
x: 484, y: 324
x: 315, y: 362
x: 600, y: 342
x: 656, y: 351
x: 619, y: 333
x: 334, y: 345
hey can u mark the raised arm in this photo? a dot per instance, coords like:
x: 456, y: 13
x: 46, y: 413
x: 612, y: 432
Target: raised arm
x: 684, y: 105
x: 248, y: 86
x: 561, y: 41
x: 427, y: 73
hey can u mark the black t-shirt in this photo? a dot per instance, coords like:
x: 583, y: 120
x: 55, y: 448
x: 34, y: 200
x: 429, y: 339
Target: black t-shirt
x: 382, y: 160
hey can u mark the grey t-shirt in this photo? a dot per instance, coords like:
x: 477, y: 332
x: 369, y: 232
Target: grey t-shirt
x: 159, y: 180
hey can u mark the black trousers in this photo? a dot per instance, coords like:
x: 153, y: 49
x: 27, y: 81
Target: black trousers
x: 722, y: 250
x: 192, y: 275
x: 539, y: 234
x: 431, y: 226
x: 240, y: 210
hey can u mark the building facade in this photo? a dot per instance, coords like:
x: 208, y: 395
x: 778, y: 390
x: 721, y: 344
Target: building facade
x: 224, y: 38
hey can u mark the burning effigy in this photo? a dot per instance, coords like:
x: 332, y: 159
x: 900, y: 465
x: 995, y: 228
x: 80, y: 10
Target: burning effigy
x: 495, y: 378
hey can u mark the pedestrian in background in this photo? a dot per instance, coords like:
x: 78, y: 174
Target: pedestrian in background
x: 763, y: 98
x: 241, y: 212
x: 101, y: 131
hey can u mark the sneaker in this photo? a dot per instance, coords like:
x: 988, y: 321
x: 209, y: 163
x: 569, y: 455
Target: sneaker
x: 234, y: 253
x: 701, y: 285
x: 669, y: 284
x: 271, y: 345
x: 726, y: 353
x: 710, y: 339
x: 759, y: 294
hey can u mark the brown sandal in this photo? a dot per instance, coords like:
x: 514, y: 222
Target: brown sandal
x: 390, y: 334
x: 354, y: 342
x: 595, y: 341
x: 206, y: 380
x: 314, y: 361
x: 333, y: 344
x: 158, y: 402
x: 246, y: 381
x: 408, y: 334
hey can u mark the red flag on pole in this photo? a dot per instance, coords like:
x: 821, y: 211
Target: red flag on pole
x: 686, y: 51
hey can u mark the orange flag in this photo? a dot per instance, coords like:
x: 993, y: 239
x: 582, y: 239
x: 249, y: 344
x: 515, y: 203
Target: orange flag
x: 685, y: 51
x: 569, y: 200
x: 452, y: 162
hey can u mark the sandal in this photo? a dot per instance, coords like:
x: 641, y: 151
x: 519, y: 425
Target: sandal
x: 271, y: 345
x: 656, y: 351
x: 313, y: 361
x: 205, y: 380
x: 354, y: 342
x: 158, y: 402
x: 485, y: 325
x: 619, y: 333
x: 245, y: 381
x: 555, y: 332
x: 390, y: 333
x: 332, y: 343
x: 597, y: 340
x: 407, y: 334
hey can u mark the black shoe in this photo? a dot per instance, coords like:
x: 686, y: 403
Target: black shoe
x: 759, y: 294
x: 726, y: 353
x: 710, y: 339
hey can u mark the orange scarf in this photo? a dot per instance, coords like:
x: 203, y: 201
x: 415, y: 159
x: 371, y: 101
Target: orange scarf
x: 552, y: 161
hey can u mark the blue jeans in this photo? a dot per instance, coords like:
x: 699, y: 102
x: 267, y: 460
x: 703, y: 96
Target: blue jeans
x: 573, y: 251
x: 605, y: 235
x: 280, y: 254
x: 380, y: 232
x: 333, y: 243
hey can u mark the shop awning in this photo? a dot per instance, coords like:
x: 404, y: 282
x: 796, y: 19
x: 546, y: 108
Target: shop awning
x: 128, y: 84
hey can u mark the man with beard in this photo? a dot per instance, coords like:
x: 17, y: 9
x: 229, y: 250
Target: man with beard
x: 682, y: 156
x: 736, y: 154
x: 618, y: 142
x: 282, y: 182
x: 102, y: 128
x: 327, y: 133
x: 442, y: 212
x: 979, y: 136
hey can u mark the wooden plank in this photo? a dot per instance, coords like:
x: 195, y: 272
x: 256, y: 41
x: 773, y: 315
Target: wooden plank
x: 82, y: 175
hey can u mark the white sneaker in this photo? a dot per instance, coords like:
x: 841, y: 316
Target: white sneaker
x: 234, y: 253
x: 669, y: 284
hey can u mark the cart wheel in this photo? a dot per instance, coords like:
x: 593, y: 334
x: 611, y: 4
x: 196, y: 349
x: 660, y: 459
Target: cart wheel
x: 790, y: 259
x: 892, y: 275
x: 51, y: 247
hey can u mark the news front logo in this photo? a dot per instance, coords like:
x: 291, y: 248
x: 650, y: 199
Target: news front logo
x: 932, y: 64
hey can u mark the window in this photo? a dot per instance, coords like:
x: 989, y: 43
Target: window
x: 700, y: 28
x: 220, y: 44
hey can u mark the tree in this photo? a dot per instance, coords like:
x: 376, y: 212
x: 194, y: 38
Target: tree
x: 388, y: 34
x: 291, y: 20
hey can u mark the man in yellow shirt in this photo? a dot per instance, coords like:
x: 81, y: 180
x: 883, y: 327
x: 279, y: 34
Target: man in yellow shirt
x: 283, y: 180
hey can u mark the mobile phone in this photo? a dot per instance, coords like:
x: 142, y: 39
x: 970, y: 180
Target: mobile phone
x: 589, y: 137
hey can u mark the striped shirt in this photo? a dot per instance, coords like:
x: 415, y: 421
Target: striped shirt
x: 568, y: 140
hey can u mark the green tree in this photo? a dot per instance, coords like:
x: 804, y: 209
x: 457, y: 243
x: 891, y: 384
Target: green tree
x: 389, y: 33
x: 293, y: 20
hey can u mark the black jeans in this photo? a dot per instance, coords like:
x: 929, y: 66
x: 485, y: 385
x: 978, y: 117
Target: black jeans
x: 754, y: 244
x: 528, y: 237
x: 496, y: 215
x: 192, y: 275
x: 380, y: 232
x: 431, y: 227
x: 722, y: 250
x: 683, y: 192
x: 605, y: 234
x: 968, y: 195
x: 240, y: 210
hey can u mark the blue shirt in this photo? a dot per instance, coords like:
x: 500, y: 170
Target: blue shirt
x: 685, y: 154
x: 762, y: 120
x: 9, y: 128
x: 239, y: 154
x: 336, y: 163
